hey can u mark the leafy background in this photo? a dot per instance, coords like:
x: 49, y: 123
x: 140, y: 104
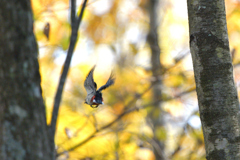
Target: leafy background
x: 113, y: 35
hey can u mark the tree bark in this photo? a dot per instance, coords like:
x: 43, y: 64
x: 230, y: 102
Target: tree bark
x: 23, y: 128
x: 213, y: 70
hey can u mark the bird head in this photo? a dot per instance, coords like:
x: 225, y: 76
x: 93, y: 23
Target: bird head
x: 97, y: 98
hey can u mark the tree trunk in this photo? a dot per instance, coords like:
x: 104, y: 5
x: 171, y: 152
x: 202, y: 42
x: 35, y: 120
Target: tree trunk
x: 216, y: 91
x: 156, y: 115
x: 23, y: 128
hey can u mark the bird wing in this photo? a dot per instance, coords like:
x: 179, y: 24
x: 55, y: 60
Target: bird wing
x: 89, y: 83
x: 110, y: 82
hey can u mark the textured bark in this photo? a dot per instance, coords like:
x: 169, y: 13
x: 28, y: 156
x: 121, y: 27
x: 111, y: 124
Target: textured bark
x: 156, y: 115
x: 23, y: 131
x: 216, y: 91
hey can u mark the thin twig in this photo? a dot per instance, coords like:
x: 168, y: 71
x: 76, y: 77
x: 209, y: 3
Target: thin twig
x: 182, y: 134
x: 100, y: 129
x: 73, y: 11
x: 130, y: 110
x: 111, y: 123
x: 63, y: 77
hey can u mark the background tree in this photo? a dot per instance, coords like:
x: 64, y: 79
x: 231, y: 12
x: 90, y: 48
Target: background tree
x: 217, y: 96
x: 156, y: 115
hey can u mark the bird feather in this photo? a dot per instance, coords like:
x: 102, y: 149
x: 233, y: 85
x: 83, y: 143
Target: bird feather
x: 110, y: 82
x: 89, y: 83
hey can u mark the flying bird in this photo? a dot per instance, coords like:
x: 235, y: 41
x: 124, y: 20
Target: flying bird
x: 94, y: 96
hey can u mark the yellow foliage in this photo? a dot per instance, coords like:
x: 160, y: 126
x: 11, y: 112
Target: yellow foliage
x: 129, y: 56
x: 161, y: 133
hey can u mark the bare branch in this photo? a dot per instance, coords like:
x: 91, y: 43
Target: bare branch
x: 73, y: 11
x: 130, y: 110
x: 63, y: 77
x: 182, y: 134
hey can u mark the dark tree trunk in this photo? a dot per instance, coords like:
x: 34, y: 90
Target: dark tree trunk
x: 216, y: 91
x: 23, y: 128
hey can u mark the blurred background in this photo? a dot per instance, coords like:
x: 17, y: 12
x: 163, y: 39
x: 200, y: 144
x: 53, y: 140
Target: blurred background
x: 151, y: 112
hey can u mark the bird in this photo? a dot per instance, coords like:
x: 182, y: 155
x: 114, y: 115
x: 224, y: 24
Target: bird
x: 94, y: 96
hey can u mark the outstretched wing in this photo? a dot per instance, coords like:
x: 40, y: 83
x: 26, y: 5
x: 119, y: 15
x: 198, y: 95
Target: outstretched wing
x: 89, y: 83
x: 110, y: 82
